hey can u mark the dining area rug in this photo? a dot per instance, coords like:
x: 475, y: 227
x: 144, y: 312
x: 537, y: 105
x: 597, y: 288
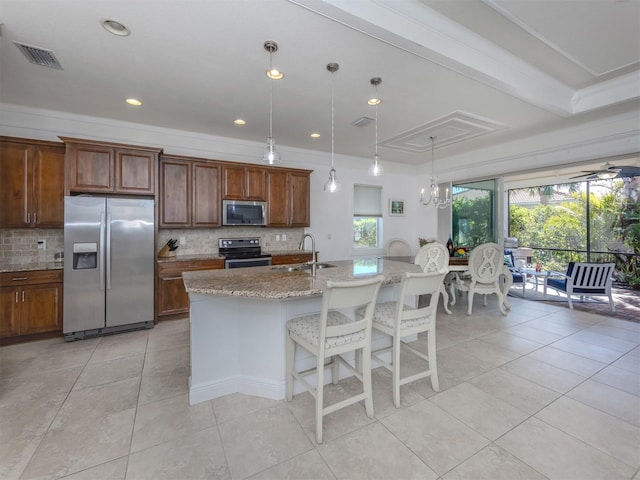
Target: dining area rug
x: 626, y: 301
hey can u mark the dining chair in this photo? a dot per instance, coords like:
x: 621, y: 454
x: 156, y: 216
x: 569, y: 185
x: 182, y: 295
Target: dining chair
x: 397, y: 247
x: 434, y: 257
x: 397, y: 319
x: 328, y: 335
x: 485, y: 268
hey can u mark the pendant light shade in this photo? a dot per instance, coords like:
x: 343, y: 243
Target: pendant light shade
x: 376, y: 168
x: 332, y: 184
x: 271, y: 156
x: 432, y: 198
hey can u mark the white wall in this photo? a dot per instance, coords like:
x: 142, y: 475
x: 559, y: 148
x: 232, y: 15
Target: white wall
x: 618, y: 134
x: 331, y: 214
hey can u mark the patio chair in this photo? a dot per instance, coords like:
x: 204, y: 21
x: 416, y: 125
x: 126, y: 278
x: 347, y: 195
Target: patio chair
x: 584, y: 279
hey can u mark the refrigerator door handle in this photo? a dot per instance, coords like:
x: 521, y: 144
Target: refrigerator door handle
x: 101, y: 251
x: 108, y: 251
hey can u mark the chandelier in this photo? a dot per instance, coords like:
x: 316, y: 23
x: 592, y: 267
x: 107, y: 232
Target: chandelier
x: 432, y: 198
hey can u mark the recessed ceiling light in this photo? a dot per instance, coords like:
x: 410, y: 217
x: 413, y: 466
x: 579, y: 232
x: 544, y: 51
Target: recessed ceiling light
x: 315, y: 135
x: 133, y: 101
x: 240, y: 121
x: 116, y: 28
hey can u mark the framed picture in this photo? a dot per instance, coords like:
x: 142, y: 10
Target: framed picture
x: 396, y: 207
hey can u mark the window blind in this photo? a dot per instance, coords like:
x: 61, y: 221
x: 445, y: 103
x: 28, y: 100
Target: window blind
x: 367, y: 201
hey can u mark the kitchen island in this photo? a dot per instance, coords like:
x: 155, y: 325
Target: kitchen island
x: 238, y: 319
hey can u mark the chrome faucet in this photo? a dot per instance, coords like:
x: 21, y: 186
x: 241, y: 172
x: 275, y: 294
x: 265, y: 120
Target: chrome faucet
x: 313, y: 251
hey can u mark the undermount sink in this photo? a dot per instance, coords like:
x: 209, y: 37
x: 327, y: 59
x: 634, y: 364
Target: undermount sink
x: 301, y: 267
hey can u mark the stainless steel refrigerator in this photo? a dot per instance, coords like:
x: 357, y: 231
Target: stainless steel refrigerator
x: 109, y: 257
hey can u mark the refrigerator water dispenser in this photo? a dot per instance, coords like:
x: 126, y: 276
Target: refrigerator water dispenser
x: 85, y: 256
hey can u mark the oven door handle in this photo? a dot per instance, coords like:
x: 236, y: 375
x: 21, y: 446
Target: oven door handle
x: 259, y: 261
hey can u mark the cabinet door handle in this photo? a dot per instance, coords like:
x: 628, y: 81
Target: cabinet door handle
x: 26, y: 187
x: 22, y: 296
x: 34, y: 218
x: 18, y: 279
x: 16, y: 297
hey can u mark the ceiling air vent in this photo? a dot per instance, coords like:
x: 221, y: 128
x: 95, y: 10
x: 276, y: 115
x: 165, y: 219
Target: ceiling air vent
x: 39, y: 56
x: 362, y: 122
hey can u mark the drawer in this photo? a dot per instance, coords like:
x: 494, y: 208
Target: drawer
x: 177, y: 267
x: 8, y: 279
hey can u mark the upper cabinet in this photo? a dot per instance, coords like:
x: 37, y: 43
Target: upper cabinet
x: 31, y: 183
x: 189, y: 193
x: 241, y: 182
x: 288, y: 198
x: 101, y: 167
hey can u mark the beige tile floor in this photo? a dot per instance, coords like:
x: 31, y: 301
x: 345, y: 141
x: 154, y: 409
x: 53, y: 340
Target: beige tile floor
x: 541, y: 393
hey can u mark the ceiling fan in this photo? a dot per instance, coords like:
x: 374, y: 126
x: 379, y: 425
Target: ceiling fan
x: 609, y: 170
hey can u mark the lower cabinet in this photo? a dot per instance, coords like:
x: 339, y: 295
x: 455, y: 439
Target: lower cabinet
x: 172, y: 299
x: 30, y: 303
x: 291, y: 259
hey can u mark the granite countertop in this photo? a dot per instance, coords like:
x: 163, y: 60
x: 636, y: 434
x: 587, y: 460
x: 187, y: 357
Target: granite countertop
x: 26, y: 267
x: 273, y: 282
x: 189, y: 258
x: 216, y: 256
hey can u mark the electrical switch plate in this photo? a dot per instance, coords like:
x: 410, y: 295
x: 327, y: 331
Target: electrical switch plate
x: 284, y: 237
x: 42, y: 244
x: 183, y: 240
x: 278, y: 238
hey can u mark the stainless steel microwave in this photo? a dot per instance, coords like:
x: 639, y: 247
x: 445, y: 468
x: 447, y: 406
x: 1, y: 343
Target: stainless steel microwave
x: 243, y: 212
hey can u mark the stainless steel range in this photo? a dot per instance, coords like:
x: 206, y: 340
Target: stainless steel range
x: 242, y: 252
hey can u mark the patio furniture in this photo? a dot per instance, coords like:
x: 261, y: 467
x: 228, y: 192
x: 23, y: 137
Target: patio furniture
x: 584, y: 279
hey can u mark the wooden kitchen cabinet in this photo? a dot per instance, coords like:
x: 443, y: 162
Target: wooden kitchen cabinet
x: 172, y: 299
x: 291, y: 259
x: 288, y: 198
x: 241, y: 182
x: 102, y: 167
x: 189, y: 193
x: 30, y: 303
x: 31, y: 183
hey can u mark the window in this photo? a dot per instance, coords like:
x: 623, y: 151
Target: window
x: 473, y: 213
x: 367, y: 217
x: 592, y: 221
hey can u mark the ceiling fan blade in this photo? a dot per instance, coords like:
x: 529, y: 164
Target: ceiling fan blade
x: 584, y: 175
x: 628, y: 171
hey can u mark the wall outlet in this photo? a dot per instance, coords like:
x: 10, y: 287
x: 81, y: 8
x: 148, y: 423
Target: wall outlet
x: 42, y: 244
x: 183, y: 240
x: 284, y: 237
x: 277, y: 237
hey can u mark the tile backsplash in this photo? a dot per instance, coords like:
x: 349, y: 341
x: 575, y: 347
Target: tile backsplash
x: 205, y: 241
x: 20, y: 246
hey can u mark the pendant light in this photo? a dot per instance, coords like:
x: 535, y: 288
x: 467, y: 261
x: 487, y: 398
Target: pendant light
x: 376, y: 169
x: 271, y: 156
x: 332, y: 185
x: 433, y: 198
